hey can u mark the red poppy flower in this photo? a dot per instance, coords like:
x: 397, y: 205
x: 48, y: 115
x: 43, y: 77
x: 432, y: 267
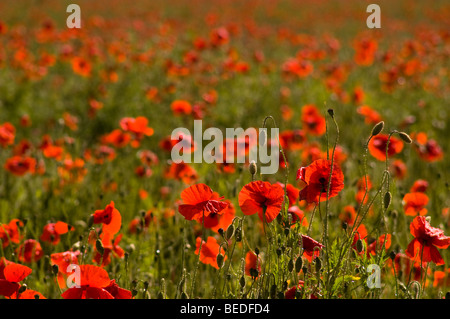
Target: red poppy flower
x: 377, y: 245
x: 182, y: 171
x: 53, y: 231
x: 28, y: 294
x: 348, y: 215
x: 181, y: 107
x: 199, y: 201
x: 377, y: 146
x: 209, y: 252
x: 298, y: 67
x: 316, y: 178
x: 117, y: 138
x: 426, y: 241
x: 420, y: 186
x: 137, y: 126
x: 262, y: 198
x: 297, y: 215
x: 428, y: 149
x: 365, y: 51
x: 110, y: 247
x: 81, y: 66
x: 93, y: 281
x: 63, y: 260
x: 223, y: 219
x: 7, y: 134
x: 118, y: 292
x: 20, y: 165
x: 252, y: 264
x: 10, y: 274
x: 313, y: 122
x: 311, y: 248
x: 399, y: 169
x: 10, y: 232
x: 414, y: 203
x: 292, y: 140
x: 370, y: 116
x: 110, y: 218
x: 30, y: 251
x: 292, y: 193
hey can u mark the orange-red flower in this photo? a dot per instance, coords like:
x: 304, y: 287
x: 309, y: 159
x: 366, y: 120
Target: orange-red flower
x: 419, y: 185
x: 313, y: 122
x: 110, y: 218
x: 262, y: 198
x: 93, y: 283
x: 315, y: 179
x: 182, y: 171
x: 10, y: 232
x: 423, y: 248
x: 10, y: 274
x: 377, y: 245
x: 30, y: 251
x: 20, y: 165
x: 210, y: 250
x: 7, y: 134
x: 63, y: 260
x: 181, y: 107
x: 137, y: 126
x: 377, y: 146
x: 311, y: 248
x: 81, y: 66
x: 198, y: 201
x: 110, y: 247
x: 52, y: 232
x: 297, y: 215
x: 428, y: 149
x: 370, y: 115
x: 414, y: 203
x: 252, y: 264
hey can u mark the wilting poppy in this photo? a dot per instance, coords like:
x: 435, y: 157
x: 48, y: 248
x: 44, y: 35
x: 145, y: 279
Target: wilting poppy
x: 10, y: 274
x: 423, y: 248
x: 52, y: 232
x: 414, y: 203
x: 378, y: 143
x: 311, y: 248
x: 262, y: 198
x: 30, y: 251
x: 210, y: 250
x: 313, y: 122
x: 110, y: 218
x: 315, y: 179
x: 199, y: 201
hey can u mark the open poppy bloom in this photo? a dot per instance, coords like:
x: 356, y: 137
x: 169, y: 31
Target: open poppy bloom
x: 414, y: 203
x: 181, y: 107
x: 7, y: 134
x: 262, y: 198
x: 181, y: 171
x: 426, y: 241
x: 297, y: 216
x: 63, y: 260
x: 30, y: 251
x: 10, y: 274
x: 419, y: 185
x: 209, y: 251
x: 53, y: 231
x: 118, y: 292
x: 10, y: 232
x: 315, y: 177
x: 199, y: 201
x: 252, y: 264
x: 20, y: 165
x: 377, y: 146
x: 311, y: 248
x: 110, y: 247
x: 377, y: 245
x: 370, y: 115
x: 93, y: 283
x: 110, y: 218
x: 292, y: 193
x: 137, y: 126
x: 223, y: 219
x: 313, y: 122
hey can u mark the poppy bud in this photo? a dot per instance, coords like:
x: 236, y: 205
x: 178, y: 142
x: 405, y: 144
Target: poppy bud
x: 377, y: 128
x: 99, y: 246
x: 305, y: 270
x: 392, y: 255
x: 55, y: 269
x: 290, y: 265
x: 359, y: 245
x: 230, y: 232
x: 220, y: 231
x: 387, y: 199
x: 238, y: 234
x: 253, y: 168
x: 242, y: 281
x: 298, y: 264
x: 344, y: 226
x: 405, y: 137
x: 331, y: 112
x: 219, y: 260
x: 22, y: 288
x: 257, y: 251
x: 318, y: 262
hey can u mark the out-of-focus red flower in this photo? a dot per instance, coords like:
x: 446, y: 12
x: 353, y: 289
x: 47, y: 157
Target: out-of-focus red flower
x: 292, y: 140
x: 428, y: 149
x: 209, y: 251
x: 219, y: 37
x: 313, y: 122
x: 399, y: 169
x: 20, y: 165
x: 377, y: 146
x: 423, y: 248
x: 419, y: 185
x: 348, y: 215
x: 365, y: 50
x: 81, y: 66
x: 292, y: 193
x: 30, y: 251
x: 10, y: 232
x: 315, y: 179
x: 181, y: 171
x: 52, y: 232
x: 370, y: 115
x: 377, y: 245
x: 181, y: 107
x: 414, y: 203
x: 7, y: 134
x: 252, y: 264
x: 311, y: 248
x: 262, y: 198
x: 297, y: 216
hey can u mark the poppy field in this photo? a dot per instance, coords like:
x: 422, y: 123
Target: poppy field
x: 93, y: 204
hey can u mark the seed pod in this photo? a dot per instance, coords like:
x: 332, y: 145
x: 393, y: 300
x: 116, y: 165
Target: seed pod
x: 253, y: 168
x: 219, y: 260
x: 377, y: 128
x: 387, y: 199
x: 290, y: 265
x: 359, y: 245
x: 230, y: 232
x: 257, y: 251
x: 331, y: 112
x: 405, y: 137
x: 298, y: 264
